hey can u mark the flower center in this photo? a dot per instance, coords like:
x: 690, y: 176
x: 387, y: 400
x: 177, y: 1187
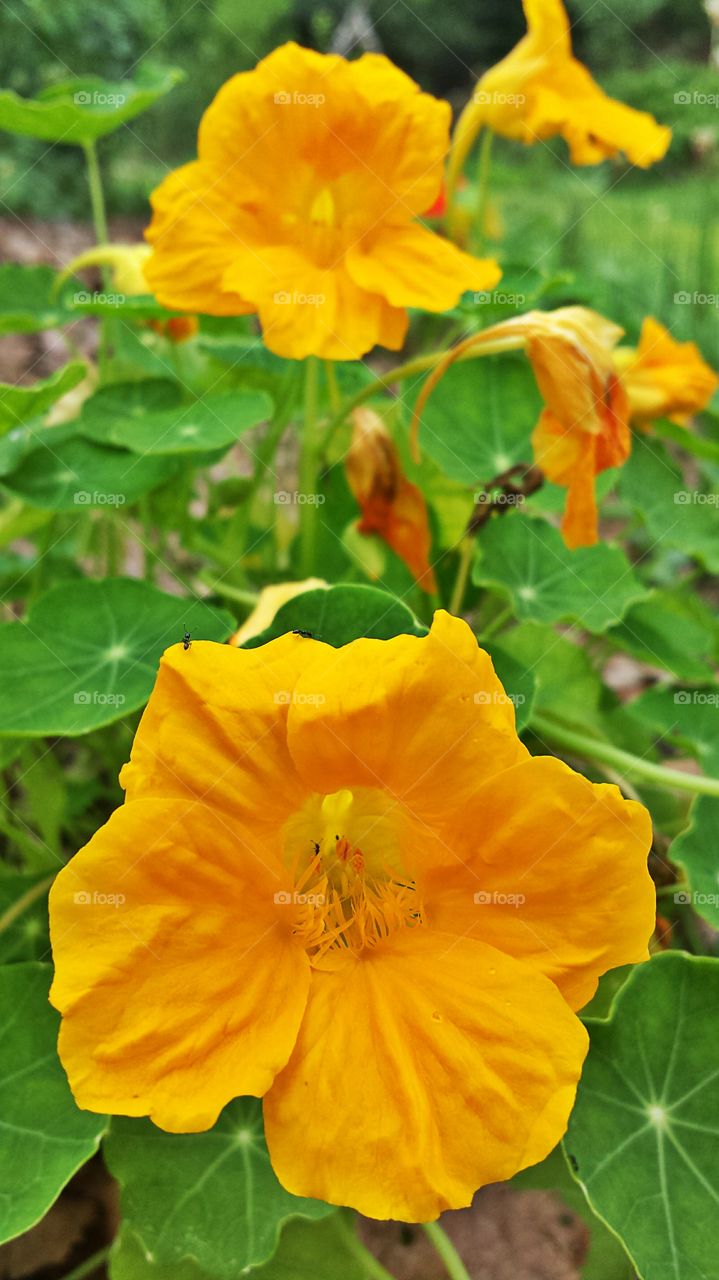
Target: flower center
x: 350, y: 889
x: 323, y: 212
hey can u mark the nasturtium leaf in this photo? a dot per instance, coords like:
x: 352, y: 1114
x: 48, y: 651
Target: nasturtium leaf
x: 479, y: 419
x: 319, y: 1250
x: 696, y: 850
x: 154, y: 421
x: 17, y: 404
x: 675, y: 514
x: 686, y: 718
x: 673, y: 630
x: 341, y: 614
x: 28, y: 301
x: 129, y: 1261
x: 23, y: 915
x: 87, y: 654
x: 209, y: 1198
x: 517, y: 681
x: 642, y: 1136
x: 526, y: 559
x: 45, y: 1137
x: 82, y: 110
x: 74, y: 474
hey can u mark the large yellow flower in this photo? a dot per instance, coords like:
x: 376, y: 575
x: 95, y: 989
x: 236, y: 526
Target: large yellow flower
x: 303, y: 207
x: 540, y: 90
x: 664, y: 378
x: 339, y: 881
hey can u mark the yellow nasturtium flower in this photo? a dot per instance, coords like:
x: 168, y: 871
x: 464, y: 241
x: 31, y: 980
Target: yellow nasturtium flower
x: 664, y: 378
x: 340, y: 882
x: 540, y: 90
x: 303, y: 204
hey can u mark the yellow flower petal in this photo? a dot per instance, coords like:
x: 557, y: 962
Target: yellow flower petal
x: 528, y: 875
x: 410, y: 266
x: 178, y: 979
x: 423, y: 1070
x: 664, y: 378
x: 422, y: 718
x: 215, y: 729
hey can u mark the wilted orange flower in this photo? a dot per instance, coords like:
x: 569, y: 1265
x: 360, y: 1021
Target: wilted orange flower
x: 339, y: 881
x: 391, y: 505
x: 303, y: 207
x: 540, y: 90
x: 664, y: 378
x: 584, y: 428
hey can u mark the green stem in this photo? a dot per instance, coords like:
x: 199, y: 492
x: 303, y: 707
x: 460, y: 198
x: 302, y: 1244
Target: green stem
x: 460, y: 583
x: 309, y: 471
x: 483, y: 172
x: 497, y: 622
x: 97, y: 198
x: 623, y: 761
x: 99, y: 219
x: 372, y: 1267
x: 453, y: 1264
x: 89, y: 1265
x: 267, y: 447
x: 24, y: 901
x: 383, y: 382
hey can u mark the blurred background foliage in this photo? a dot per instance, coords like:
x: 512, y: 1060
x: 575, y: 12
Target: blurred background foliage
x: 656, y: 230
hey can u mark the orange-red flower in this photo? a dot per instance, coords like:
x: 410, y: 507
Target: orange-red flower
x: 391, y: 505
x: 664, y: 378
x: 340, y: 882
x: 303, y: 207
x: 584, y: 428
x: 540, y: 90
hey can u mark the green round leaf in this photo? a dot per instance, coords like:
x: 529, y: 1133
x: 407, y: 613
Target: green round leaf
x: 73, y: 474
x: 697, y: 851
x: 340, y: 614
x: 642, y: 1137
x: 150, y: 418
x: 670, y: 629
x: 79, y: 111
x: 675, y: 514
x: 479, y: 419
x: 17, y: 404
x: 517, y: 680
x: 527, y: 560
x: 87, y: 654
x: 28, y: 302
x: 208, y: 1198
x: 45, y: 1138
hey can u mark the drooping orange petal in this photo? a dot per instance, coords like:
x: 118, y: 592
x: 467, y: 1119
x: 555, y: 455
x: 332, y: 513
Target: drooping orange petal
x: 423, y: 1069
x: 552, y: 869
x: 215, y: 729
x: 423, y: 718
x: 391, y: 505
x: 177, y: 976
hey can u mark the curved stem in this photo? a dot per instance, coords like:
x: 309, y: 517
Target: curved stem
x: 383, y: 382
x: 623, y: 761
x: 25, y: 900
x: 483, y: 171
x: 460, y: 583
x: 453, y: 1264
x: 89, y: 1265
x: 309, y: 469
x: 97, y: 198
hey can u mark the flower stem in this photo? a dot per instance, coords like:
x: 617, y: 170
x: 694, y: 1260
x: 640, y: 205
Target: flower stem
x: 483, y: 171
x: 309, y: 468
x: 496, y: 623
x: 623, y: 761
x: 25, y: 900
x: 453, y: 1264
x: 460, y: 583
x: 383, y: 382
x: 97, y: 198
x: 89, y: 1265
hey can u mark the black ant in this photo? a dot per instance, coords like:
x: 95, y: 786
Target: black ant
x: 186, y: 640
x: 300, y: 631
x: 574, y: 1162
x: 316, y: 844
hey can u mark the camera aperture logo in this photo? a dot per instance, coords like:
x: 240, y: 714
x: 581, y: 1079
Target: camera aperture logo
x: 495, y: 898
x: 84, y: 898
x: 96, y: 698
